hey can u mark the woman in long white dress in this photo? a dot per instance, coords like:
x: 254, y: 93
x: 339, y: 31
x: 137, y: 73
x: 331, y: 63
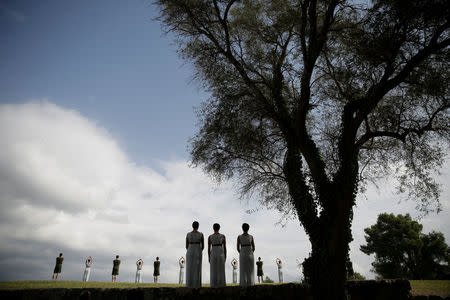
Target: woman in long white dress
x: 139, y: 265
x: 181, y: 262
x: 280, y: 271
x: 87, y: 270
x: 194, y: 245
x: 246, y: 247
x: 217, y: 254
x: 234, y: 265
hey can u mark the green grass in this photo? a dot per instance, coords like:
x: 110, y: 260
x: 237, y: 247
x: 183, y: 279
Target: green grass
x: 418, y: 287
x: 52, y: 284
x: 430, y: 287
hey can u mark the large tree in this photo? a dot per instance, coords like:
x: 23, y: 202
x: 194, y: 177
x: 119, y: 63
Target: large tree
x: 403, y: 251
x: 310, y: 99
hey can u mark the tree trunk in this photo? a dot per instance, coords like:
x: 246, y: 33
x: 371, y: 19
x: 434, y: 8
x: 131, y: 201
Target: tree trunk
x: 328, y: 272
x: 330, y: 252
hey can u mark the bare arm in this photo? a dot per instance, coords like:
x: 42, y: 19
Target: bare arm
x: 225, y: 246
x: 253, y: 245
x: 209, y: 249
x: 238, y: 243
x: 187, y: 243
x: 202, y: 242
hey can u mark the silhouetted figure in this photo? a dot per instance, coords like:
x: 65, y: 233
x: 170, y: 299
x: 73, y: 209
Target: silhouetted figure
x: 156, y: 264
x: 139, y: 272
x: 115, y: 270
x: 246, y: 247
x: 194, y: 245
x: 217, y: 254
x: 181, y: 262
x: 280, y: 270
x: 87, y: 270
x: 58, y: 266
x: 259, y: 272
x: 234, y: 265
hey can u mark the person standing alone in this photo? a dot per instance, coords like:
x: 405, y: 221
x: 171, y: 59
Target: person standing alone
x: 234, y: 265
x: 217, y: 254
x: 87, y: 270
x: 156, y: 265
x: 194, y: 246
x: 280, y: 270
x: 246, y: 247
x: 58, y: 266
x: 181, y: 262
x: 139, y: 265
x: 259, y: 272
x: 115, y: 270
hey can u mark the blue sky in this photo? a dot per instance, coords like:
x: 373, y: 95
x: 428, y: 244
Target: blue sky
x: 95, y: 112
x: 106, y: 59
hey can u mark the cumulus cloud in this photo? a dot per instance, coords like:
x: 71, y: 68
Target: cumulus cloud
x: 67, y: 186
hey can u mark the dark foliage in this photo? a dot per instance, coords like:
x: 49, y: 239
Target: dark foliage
x: 311, y: 99
x: 403, y: 251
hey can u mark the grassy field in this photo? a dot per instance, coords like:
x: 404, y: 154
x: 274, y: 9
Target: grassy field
x: 418, y: 287
x: 430, y: 287
x: 50, y: 284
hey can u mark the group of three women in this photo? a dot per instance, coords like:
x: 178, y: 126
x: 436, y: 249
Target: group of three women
x: 217, y: 254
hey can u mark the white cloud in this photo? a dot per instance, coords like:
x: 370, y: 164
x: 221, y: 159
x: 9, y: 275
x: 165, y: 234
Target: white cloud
x: 67, y: 186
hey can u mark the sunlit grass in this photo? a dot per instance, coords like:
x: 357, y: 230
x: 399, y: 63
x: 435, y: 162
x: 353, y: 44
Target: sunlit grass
x: 55, y: 284
x: 418, y: 287
x: 430, y: 287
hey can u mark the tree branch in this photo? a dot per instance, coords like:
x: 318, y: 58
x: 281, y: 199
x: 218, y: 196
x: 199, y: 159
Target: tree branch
x: 405, y: 131
x: 374, y: 95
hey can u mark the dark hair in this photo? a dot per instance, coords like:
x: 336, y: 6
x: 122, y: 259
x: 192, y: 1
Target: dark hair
x: 157, y: 258
x: 216, y: 226
x: 117, y: 256
x: 60, y: 254
x: 259, y: 258
x: 245, y: 227
x: 195, y: 225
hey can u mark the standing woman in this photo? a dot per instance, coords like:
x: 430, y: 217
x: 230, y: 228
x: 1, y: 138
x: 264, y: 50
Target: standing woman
x: 156, y: 265
x: 280, y: 271
x: 259, y: 270
x: 194, y: 245
x: 139, y: 265
x: 58, y: 266
x: 87, y: 270
x: 182, y: 262
x: 217, y: 254
x: 234, y: 265
x: 246, y: 247
x: 115, y: 269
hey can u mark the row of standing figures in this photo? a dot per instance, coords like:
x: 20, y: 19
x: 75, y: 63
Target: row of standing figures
x: 115, y: 270
x: 217, y: 255
x: 217, y: 252
x: 140, y: 263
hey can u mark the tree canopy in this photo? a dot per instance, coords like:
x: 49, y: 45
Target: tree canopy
x: 311, y: 99
x: 403, y: 251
